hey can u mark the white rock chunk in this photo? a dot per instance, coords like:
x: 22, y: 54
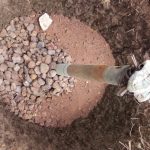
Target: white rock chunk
x: 45, y: 21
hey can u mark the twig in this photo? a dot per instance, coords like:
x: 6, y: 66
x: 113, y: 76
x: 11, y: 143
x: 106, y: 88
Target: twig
x: 124, y: 145
x: 130, y: 145
x: 144, y: 143
x: 131, y: 128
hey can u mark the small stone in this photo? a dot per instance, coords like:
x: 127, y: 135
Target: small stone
x: 8, y: 75
x: 10, y: 64
x: 16, y: 68
x: 46, y: 88
x: 21, y: 106
x: 36, y: 84
x: 31, y: 64
x: 68, y: 59
x: 34, y: 39
x: 7, y: 88
x: 44, y: 68
x: 52, y: 73
x: 17, y: 50
x: 26, y: 58
x: 13, y: 86
x: 35, y: 91
x: 33, y: 76
x: 51, y: 52
x: 18, y: 89
x: 33, y: 50
x: 55, y: 58
x: 17, y: 59
x: 40, y: 45
x: 56, y: 85
x: 1, y: 82
x: 37, y: 70
x: 3, y: 33
x: 11, y: 28
x: 60, y: 78
x: 41, y: 81
x: 33, y: 45
x: 58, y: 50
x: 34, y: 33
x: 15, y: 76
x: 49, y: 81
x: 38, y: 62
x: 26, y: 43
x: 24, y: 91
x: 3, y: 67
x: 48, y: 59
x: 2, y: 88
x: 6, y: 82
x: 12, y: 35
x: 45, y: 21
x: 1, y: 59
x: 44, y: 76
x: 53, y: 65
x: 62, y: 84
x: 31, y: 107
x: 55, y: 77
x: 26, y: 83
x: 30, y: 27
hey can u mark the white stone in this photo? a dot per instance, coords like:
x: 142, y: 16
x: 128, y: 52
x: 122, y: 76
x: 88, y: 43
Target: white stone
x: 45, y: 21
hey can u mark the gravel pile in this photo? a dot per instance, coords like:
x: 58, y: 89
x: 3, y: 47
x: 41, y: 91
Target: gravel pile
x: 28, y: 58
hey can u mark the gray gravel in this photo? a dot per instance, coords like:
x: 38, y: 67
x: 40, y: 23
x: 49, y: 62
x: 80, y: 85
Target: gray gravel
x: 27, y: 67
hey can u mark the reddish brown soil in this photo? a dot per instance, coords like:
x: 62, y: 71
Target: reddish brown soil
x: 85, y: 46
x: 115, y: 119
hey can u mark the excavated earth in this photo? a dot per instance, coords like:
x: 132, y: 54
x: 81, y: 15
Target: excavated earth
x: 116, y: 122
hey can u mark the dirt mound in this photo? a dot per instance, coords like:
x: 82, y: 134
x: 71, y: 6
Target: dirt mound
x: 28, y: 57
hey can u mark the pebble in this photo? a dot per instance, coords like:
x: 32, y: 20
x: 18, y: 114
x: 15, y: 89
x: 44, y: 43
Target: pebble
x: 1, y: 82
x: 37, y: 70
x: 40, y: 45
x: 18, y: 89
x: 53, y: 65
x: 16, y: 68
x: 8, y: 75
x: 12, y: 35
x: 13, y: 86
x: 41, y: 81
x: 26, y: 58
x: 33, y: 76
x: 26, y: 43
x: 21, y: 106
x: 33, y: 45
x: 3, y: 67
x: 52, y: 73
x: 51, y: 52
x: 34, y: 33
x: 30, y: 27
x: 26, y: 83
x: 49, y: 81
x: 24, y: 91
x: 48, y: 59
x: 1, y: 59
x: 44, y: 76
x: 36, y: 84
x: 17, y: 58
x: 44, y: 68
x: 31, y: 64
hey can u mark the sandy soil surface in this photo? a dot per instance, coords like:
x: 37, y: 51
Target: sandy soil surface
x: 113, y: 122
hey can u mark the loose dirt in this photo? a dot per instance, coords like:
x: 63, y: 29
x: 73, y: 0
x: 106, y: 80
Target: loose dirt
x: 115, y: 120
